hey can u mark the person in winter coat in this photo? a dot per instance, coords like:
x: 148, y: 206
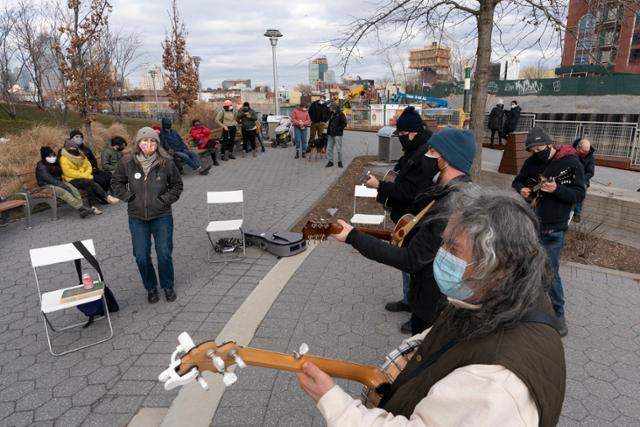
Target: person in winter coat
x: 493, y: 357
x: 247, y: 119
x: 301, y: 121
x: 259, y: 135
x: 113, y: 153
x: 454, y: 151
x: 100, y: 176
x: 175, y: 145
x: 585, y: 152
x: 512, y: 118
x: 77, y: 171
x: 150, y: 183
x: 337, y: 123
x: 416, y: 173
x: 48, y: 172
x: 319, y: 114
x: 554, y: 202
x: 496, y: 121
x: 202, y: 139
x: 226, y: 120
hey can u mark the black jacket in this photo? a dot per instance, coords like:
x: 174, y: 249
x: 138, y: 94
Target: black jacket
x: 50, y: 174
x: 149, y: 197
x: 554, y: 209
x: 415, y: 176
x: 418, y: 251
x: 512, y: 119
x: 496, y: 118
x: 337, y: 123
x: 318, y: 112
x: 90, y: 156
x: 588, y: 163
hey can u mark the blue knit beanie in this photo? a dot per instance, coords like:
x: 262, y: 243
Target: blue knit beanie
x: 410, y: 121
x: 456, y: 146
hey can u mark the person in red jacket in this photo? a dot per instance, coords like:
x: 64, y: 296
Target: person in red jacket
x: 202, y: 139
x: 301, y: 121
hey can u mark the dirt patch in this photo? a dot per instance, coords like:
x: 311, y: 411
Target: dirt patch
x: 583, y: 244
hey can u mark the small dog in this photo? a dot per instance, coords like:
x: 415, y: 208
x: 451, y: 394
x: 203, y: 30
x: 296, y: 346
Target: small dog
x: 319, y: 145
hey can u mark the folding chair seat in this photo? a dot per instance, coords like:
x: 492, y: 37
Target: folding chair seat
x: 216, y: 198
x: 361, y: 191
x: 50, y: 301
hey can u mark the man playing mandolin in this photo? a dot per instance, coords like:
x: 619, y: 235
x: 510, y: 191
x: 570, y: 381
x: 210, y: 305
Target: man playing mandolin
x: 415, y: 174
x: 555, y: 200
x: 453, y: 151
x: 493, y: 357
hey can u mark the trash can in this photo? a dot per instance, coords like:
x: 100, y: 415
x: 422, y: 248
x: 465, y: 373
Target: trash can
x: 389, y: 147
x: 272, y: 123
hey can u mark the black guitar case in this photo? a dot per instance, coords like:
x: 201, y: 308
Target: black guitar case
x: 279, y: 243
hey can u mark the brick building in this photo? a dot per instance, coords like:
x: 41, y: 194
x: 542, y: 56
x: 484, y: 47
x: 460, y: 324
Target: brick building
x: 603, y: 37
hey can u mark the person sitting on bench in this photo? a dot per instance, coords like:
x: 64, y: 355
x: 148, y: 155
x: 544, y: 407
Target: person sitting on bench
x: 177, y: 147
x: 48, y: 172
x: 202, y: 139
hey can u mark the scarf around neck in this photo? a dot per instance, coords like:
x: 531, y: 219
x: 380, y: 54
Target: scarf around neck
x: 147, y: 162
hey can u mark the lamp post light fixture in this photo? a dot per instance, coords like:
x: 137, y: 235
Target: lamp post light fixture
x: 273, y: 36
x: 153, y: 74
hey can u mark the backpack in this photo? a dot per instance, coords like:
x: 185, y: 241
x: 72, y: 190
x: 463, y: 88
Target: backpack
x: 94, y: 308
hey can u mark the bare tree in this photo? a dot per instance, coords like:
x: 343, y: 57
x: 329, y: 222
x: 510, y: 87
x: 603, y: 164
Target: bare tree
x: 304, y: 89
x: 123, y: 57
x: 530, y: 20
x: 182, y: 84
x: 82, y: 61
x: 8, y: 78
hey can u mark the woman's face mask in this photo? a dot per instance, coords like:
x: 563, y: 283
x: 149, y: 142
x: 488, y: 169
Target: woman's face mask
x: 51, y: 159
x: 448, y: 270
x: 148, y: 146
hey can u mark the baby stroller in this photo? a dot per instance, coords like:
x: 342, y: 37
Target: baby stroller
x: 283, y: 133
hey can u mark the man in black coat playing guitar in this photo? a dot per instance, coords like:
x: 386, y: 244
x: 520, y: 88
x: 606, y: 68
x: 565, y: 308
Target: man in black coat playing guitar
x: 558, y: 179
x: 415, y: 175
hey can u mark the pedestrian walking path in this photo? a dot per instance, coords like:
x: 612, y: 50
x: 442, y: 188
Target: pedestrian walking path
x: 108, y: 383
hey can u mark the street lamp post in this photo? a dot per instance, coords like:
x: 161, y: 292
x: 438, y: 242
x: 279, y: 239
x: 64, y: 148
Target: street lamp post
x: 273, y: 36
x: 196, y: 62
x: 153, y: 74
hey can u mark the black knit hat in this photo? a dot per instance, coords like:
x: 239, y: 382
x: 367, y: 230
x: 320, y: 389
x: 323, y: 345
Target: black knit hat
x: 410, y: 121
x: 537, y: 136
x: 75, y: 132
x: 46, y: 151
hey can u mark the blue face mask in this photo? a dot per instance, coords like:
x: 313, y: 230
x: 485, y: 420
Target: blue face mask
x: 80, y: 142
x: 448, y: 270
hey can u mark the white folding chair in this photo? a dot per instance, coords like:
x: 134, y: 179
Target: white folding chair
x: 227, y: 225
x: 50, y: 302
x: 367, y: 219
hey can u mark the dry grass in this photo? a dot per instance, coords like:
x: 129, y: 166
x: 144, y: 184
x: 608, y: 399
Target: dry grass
x: 23, y: 150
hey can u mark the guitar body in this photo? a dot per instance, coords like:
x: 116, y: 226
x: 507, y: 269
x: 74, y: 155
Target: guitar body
x: 402, y: 228
x: 535, y: 185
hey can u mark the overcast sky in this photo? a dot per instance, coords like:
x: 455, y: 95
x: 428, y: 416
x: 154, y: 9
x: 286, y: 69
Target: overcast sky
x: 228, y: 36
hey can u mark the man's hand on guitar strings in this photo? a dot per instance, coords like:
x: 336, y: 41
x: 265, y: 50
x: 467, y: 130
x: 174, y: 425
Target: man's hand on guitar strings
x: 346, y: 229
x: 372, y: 182
x: 525, y: 192
x: 314, y: 381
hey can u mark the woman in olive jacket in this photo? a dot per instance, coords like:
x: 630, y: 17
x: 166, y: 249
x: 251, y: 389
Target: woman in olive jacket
x: 150, y: 183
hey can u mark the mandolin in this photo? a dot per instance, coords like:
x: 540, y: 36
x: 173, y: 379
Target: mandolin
x: 188, y: 361
x: 535, y: 185
x: 320, y: 230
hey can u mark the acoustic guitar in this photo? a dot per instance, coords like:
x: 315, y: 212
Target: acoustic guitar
x: 320, y: 230
x: 188, y: 361
x: 389, y: 176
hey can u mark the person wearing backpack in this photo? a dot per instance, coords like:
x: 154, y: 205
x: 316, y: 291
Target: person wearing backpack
x: 150, y: 183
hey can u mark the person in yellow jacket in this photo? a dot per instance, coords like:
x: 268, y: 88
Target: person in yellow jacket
x: 77, y: 171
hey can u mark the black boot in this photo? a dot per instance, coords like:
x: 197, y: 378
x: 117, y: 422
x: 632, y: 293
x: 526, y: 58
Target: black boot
x: 152, y: 296
x: 328, y: 165
x: 340, y: 165
x: 84, y: 211
x: 215, y: 160
x: 297, y: 155
x: 170, y: 295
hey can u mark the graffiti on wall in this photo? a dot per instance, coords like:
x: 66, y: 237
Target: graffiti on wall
x: 528, y: 87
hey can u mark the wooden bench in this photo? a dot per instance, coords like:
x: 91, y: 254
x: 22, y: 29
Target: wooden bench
x: 37, y: 194
x: 7, y: 203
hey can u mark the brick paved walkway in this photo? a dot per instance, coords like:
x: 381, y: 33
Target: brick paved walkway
x: 335, y: 304
x: 108, y: 383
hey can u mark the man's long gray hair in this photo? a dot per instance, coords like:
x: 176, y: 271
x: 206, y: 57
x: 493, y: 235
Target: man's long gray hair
x: 508, y: 258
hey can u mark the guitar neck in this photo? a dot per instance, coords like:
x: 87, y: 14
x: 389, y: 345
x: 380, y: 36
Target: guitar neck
x: 370, y: 376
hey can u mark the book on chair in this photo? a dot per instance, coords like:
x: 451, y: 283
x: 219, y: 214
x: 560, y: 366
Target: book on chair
x: 75, y: 294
